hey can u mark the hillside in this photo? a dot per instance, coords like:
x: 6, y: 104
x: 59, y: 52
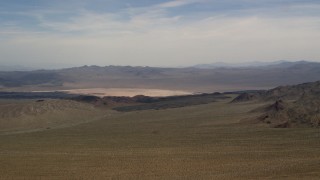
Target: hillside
x: 25, y: 115
x: 195, y: 142
x: 297, y: 105
x: 188, y: 79
x: 198, y: 136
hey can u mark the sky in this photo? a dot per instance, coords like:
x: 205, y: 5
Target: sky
x: 165, y: 33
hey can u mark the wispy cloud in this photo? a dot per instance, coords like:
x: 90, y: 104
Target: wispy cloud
x: 125, y: 20
x: 177, y: 3
x: 166, y: 33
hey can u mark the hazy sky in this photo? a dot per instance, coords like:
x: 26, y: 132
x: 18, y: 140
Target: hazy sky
x: 51, y: 33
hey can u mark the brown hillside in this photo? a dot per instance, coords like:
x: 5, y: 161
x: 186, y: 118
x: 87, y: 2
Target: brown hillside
x: 291, y: 106
x: 25, y: 115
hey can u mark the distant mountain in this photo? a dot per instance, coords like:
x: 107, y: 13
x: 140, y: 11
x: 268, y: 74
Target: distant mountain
x: 189, y: 79
x: 30, y: 78
x: 281, y: 63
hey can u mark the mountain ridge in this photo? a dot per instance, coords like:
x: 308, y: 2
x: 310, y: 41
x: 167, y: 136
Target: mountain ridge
x: 281, y: 63
x: 291, y: 106
x: 191, y: 79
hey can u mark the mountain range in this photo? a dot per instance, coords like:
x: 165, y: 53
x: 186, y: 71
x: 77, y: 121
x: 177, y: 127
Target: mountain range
x: 191, y: 79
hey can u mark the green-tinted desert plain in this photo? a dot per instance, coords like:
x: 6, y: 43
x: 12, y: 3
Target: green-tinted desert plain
x: 210, y: 141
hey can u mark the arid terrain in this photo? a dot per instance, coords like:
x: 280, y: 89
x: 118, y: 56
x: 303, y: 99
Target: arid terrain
x: 208, y: 136
x: 34, y: 115
x: 159, y: 89
x: 161, y: 123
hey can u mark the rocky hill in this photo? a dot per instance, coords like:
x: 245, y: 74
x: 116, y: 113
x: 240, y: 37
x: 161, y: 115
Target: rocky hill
x: 291, y: 106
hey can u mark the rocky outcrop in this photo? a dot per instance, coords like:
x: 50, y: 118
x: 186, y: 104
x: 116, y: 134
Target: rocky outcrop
x: 244, y: 97
x: 291, y: 106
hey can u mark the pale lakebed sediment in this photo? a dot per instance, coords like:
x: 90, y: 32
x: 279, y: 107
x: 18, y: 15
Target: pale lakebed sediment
x: 101, y: 92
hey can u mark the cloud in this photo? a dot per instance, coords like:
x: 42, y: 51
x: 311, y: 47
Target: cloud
x: 176, y: 3
x: 126, y: 20
x: 233, y: 39
x: 153, y: 35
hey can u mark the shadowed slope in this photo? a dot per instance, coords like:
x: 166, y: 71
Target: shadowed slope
x: 28, y: 115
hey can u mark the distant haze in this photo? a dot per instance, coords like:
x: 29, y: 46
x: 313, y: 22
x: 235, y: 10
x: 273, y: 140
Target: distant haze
x: 165, y: 33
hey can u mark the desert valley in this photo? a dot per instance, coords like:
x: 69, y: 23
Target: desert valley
x: 161, y: 89
x: 49, y: 131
